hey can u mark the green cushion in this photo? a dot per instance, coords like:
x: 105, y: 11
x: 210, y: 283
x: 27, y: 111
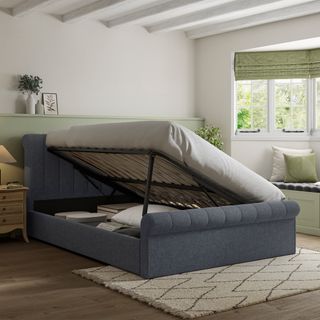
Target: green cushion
x: 300, y: 168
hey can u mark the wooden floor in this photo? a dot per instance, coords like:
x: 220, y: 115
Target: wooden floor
x: 36, y: 283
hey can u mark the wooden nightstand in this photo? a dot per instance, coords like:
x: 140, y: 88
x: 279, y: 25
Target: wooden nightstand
x: 13, y: 210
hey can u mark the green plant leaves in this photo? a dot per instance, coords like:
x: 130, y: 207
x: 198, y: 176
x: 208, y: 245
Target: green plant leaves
x: 212, y: 135
x: 30, y: 84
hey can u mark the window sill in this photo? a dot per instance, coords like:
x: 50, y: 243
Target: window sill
x: 274, y: 137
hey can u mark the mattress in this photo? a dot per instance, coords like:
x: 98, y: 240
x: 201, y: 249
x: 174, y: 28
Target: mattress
x: 177, y: 142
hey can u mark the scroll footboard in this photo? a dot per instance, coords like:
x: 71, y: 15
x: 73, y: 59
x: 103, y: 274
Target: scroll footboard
x: 211, y: 237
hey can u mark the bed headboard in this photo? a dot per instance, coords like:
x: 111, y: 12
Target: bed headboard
x: 50, y: 177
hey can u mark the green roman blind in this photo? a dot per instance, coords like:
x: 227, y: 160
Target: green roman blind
x: 277, y: 64
x: 315, y: 63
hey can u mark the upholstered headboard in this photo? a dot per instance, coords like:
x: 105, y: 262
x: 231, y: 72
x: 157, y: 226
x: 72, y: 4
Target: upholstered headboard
x: 50, y: 177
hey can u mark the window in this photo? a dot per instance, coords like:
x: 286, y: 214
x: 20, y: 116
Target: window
x: 317, y: 102
x: 290, y: 104
x: 281, y: 105
x: 252, y: 104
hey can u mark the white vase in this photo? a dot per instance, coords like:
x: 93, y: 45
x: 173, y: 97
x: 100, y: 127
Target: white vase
x: 30, y: 104
x: 39, y: 108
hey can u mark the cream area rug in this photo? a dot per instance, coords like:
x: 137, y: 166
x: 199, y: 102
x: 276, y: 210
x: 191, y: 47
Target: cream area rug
x: 205, y: 292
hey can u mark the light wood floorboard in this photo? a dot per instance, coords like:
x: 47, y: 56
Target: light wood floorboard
x: 36, y: 283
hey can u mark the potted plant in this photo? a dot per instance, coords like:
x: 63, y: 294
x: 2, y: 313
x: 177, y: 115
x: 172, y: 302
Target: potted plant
x: 212, y: 135
x: 31, y: 85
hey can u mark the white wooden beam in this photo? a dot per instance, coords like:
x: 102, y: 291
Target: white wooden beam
x: 209, y: 14
x: 149, y: 11
x: 84, y: 11
x: 27, y: 6
x: 255, y: 20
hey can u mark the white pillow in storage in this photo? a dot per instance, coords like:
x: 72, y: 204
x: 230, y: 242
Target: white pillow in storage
x: 278, y: 165
x: 132, y: 216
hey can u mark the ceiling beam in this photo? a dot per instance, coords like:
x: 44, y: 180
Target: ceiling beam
x: 27, y: 6
x: 149, y: 11
x: 255, y: 20
x: 208, y: 14
x: 84, y: 11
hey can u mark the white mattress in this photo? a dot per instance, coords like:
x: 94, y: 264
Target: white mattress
x: 177, y: 142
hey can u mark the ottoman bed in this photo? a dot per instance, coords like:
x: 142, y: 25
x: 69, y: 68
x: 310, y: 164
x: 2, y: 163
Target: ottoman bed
x: 225, y: 212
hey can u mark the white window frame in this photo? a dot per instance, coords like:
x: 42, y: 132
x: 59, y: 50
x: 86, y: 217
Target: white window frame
x: 275, y: 134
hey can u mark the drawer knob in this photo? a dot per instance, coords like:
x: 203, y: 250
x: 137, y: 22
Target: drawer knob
x: 4, y: 220
x: 3, y: 209
x: 4, y: 197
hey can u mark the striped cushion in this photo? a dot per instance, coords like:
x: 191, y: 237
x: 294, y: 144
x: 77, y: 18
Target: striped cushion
x: 308, y: 187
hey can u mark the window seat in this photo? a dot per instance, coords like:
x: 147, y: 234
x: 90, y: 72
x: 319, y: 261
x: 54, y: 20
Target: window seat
x: 308, y: 197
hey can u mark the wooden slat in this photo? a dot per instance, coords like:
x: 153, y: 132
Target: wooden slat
x: 172, y: 185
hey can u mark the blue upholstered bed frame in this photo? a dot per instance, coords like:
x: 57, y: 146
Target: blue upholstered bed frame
x: 169, y: 243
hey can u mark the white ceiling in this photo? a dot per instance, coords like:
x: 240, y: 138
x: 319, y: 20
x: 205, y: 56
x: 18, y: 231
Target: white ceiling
x: 198, y: 18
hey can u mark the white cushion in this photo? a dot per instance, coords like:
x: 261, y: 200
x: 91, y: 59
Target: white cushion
x: 278, y: 163
x: 132, y: 216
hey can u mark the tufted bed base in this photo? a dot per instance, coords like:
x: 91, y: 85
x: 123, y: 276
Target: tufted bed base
x: 169, y: 243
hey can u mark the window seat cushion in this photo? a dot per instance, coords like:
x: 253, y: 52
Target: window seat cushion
x: 307, y: 187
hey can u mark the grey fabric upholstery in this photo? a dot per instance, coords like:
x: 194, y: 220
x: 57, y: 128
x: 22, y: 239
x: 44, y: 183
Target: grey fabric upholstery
x: 49, y: 177
x: 170, y: 243
x: 217, y: 218
x: 109, y: 247
x: 308, y: 187
x: 178, y: 242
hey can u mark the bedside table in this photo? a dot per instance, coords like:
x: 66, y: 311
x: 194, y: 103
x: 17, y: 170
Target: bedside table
x: 13, y: 210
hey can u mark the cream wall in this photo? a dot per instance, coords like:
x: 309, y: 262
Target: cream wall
x: 124, y: 71
x: 214, y: 79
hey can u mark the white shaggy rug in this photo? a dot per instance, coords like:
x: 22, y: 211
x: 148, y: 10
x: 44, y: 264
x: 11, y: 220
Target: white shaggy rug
x: 204, y: 292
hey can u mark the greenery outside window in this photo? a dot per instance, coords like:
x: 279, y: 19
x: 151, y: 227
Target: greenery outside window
x: 291, y: 104
x: 252, y: 104
x: 281, y: 105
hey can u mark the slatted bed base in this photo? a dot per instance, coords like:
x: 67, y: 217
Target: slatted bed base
x: 151, y: 175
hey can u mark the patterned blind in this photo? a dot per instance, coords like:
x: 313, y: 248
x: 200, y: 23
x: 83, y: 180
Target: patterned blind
x: 277, y: 64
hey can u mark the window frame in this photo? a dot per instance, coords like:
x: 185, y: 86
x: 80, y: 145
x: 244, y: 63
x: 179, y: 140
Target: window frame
x: 271, y: 133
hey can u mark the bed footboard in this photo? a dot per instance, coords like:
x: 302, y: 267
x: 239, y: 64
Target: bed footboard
x: 204, y: 238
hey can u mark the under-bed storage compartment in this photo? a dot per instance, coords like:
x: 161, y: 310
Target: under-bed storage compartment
x: 112, y: 248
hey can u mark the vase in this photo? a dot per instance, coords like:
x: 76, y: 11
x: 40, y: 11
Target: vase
x: 30, y: 104
x: 39, y: 108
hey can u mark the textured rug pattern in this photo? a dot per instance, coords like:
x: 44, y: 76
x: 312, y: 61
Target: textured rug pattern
x: 204, y: 292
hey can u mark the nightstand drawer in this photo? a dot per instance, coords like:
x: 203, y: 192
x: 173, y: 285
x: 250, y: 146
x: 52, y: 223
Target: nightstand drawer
x: 7, y: 208
x: 11, y: 196
x: 11, y: 219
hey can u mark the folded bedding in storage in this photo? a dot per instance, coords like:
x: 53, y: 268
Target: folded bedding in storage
x: 176, y: 142
x: 98, y: 220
